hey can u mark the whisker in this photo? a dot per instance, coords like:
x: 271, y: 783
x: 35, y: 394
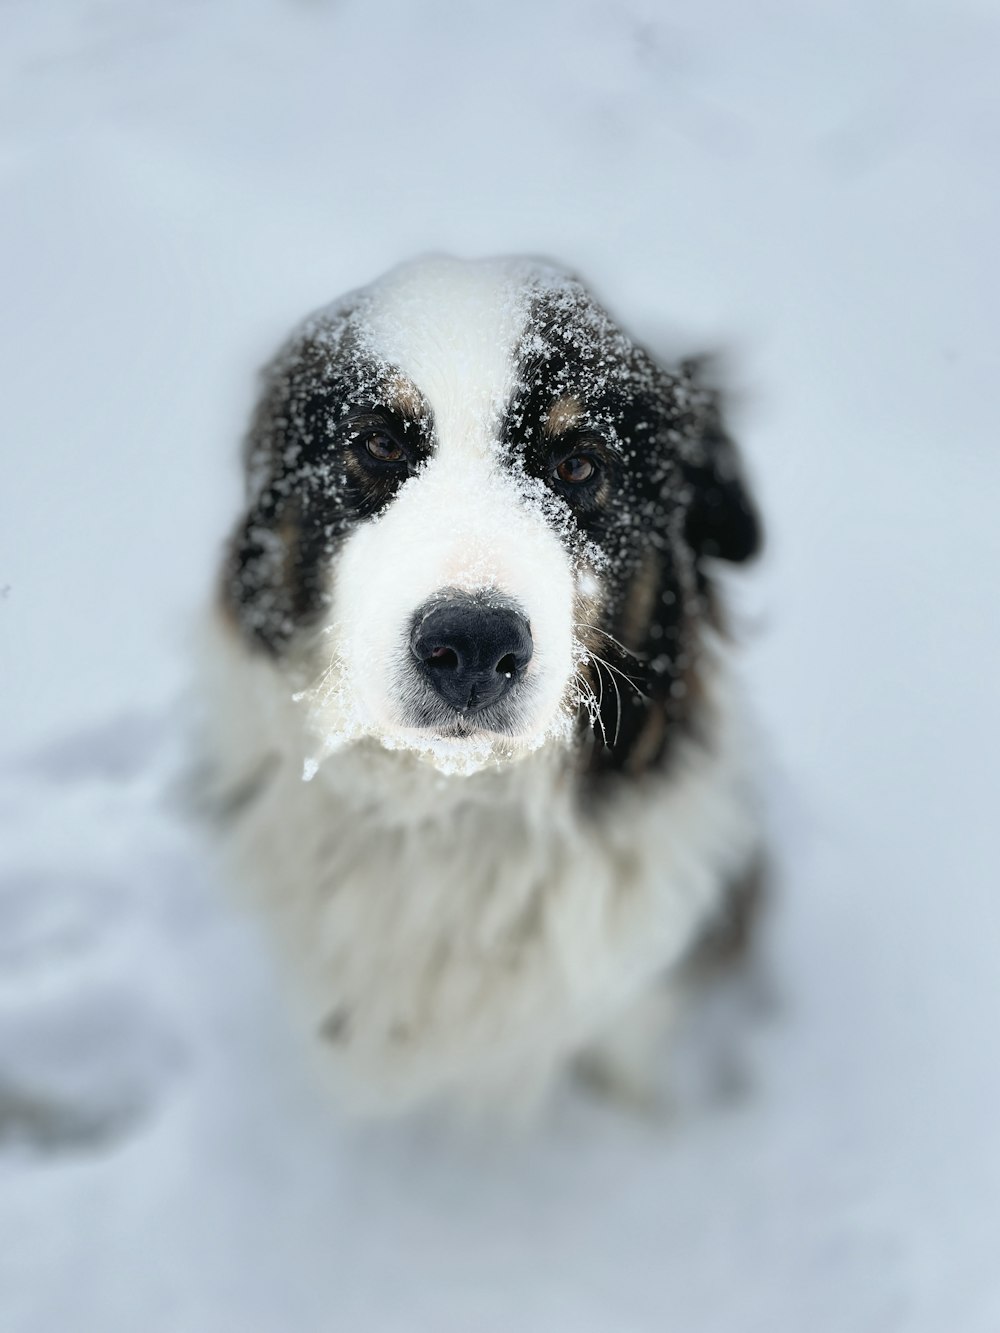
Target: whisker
x: 628, y: 679
x: 598, y: 663
x: 618, y: 716
x: 594, y: 708
x: 317, y: 686
x: 636, y: 657
x: 600, y: 681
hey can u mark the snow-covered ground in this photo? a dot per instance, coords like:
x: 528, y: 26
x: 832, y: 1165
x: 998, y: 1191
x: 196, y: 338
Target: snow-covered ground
x: 815, y: 185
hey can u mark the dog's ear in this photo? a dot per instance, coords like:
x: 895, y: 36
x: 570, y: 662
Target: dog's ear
x: 722, y: 519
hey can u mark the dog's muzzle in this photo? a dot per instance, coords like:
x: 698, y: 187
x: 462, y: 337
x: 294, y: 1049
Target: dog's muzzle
x: 472, y: 649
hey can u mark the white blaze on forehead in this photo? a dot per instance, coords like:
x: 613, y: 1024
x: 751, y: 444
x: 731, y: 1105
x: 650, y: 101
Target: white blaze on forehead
x: 452, y: 328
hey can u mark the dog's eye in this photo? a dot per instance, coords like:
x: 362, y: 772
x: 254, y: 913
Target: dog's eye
x: 382, y: 447
x: 576, y: 469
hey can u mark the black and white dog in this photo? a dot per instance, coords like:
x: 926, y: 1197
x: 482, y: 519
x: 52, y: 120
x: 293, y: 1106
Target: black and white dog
x: 485, y: 765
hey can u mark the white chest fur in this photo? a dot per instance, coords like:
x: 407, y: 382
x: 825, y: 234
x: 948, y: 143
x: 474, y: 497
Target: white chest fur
x: 465, y: 935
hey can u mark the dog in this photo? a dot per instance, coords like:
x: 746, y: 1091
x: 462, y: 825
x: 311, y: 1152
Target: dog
x: 472, y: 717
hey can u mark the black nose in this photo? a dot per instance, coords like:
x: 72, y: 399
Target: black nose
x: 472, y: 650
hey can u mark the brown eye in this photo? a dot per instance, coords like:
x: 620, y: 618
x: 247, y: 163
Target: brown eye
x: 576, y: 469
x: 383, y: 447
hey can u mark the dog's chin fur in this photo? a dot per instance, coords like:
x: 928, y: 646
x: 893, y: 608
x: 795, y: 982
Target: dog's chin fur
x: 335, y: 715
x: 463, y: 750
x: 460, y: 930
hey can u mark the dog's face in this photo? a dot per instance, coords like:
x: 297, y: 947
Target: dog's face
x: 477, y: 520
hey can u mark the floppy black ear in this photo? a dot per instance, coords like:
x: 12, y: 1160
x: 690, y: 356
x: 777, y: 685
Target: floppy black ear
x: 722, y: 519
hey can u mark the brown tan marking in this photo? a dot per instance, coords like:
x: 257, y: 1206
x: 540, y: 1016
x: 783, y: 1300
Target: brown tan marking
x: 405, y: 397
x: 638, y: 610
x: 563, y: 415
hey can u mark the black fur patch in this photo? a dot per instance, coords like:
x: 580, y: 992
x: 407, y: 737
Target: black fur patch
x: 667, y: 494
x: 307, y: 481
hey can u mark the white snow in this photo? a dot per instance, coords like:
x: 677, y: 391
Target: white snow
x: 814, y: 183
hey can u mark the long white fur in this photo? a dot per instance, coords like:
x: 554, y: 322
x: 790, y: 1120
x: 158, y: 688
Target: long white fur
x: 453, y: 924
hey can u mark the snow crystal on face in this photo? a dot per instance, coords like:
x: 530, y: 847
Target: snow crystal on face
x: 333, y: 720
x: 459, y: 526
x: 451, y: 327
x: 466, y: 521
x: 470, y: 358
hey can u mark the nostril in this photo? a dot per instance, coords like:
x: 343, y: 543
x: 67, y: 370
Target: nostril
x: 442, y: 657
x: 507, y: 665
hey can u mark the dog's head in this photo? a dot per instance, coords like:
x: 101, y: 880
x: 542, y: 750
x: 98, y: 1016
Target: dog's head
x: 478, y: 517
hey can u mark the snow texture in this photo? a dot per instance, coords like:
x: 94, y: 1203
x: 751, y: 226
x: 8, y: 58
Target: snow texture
x: 817, y: 183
